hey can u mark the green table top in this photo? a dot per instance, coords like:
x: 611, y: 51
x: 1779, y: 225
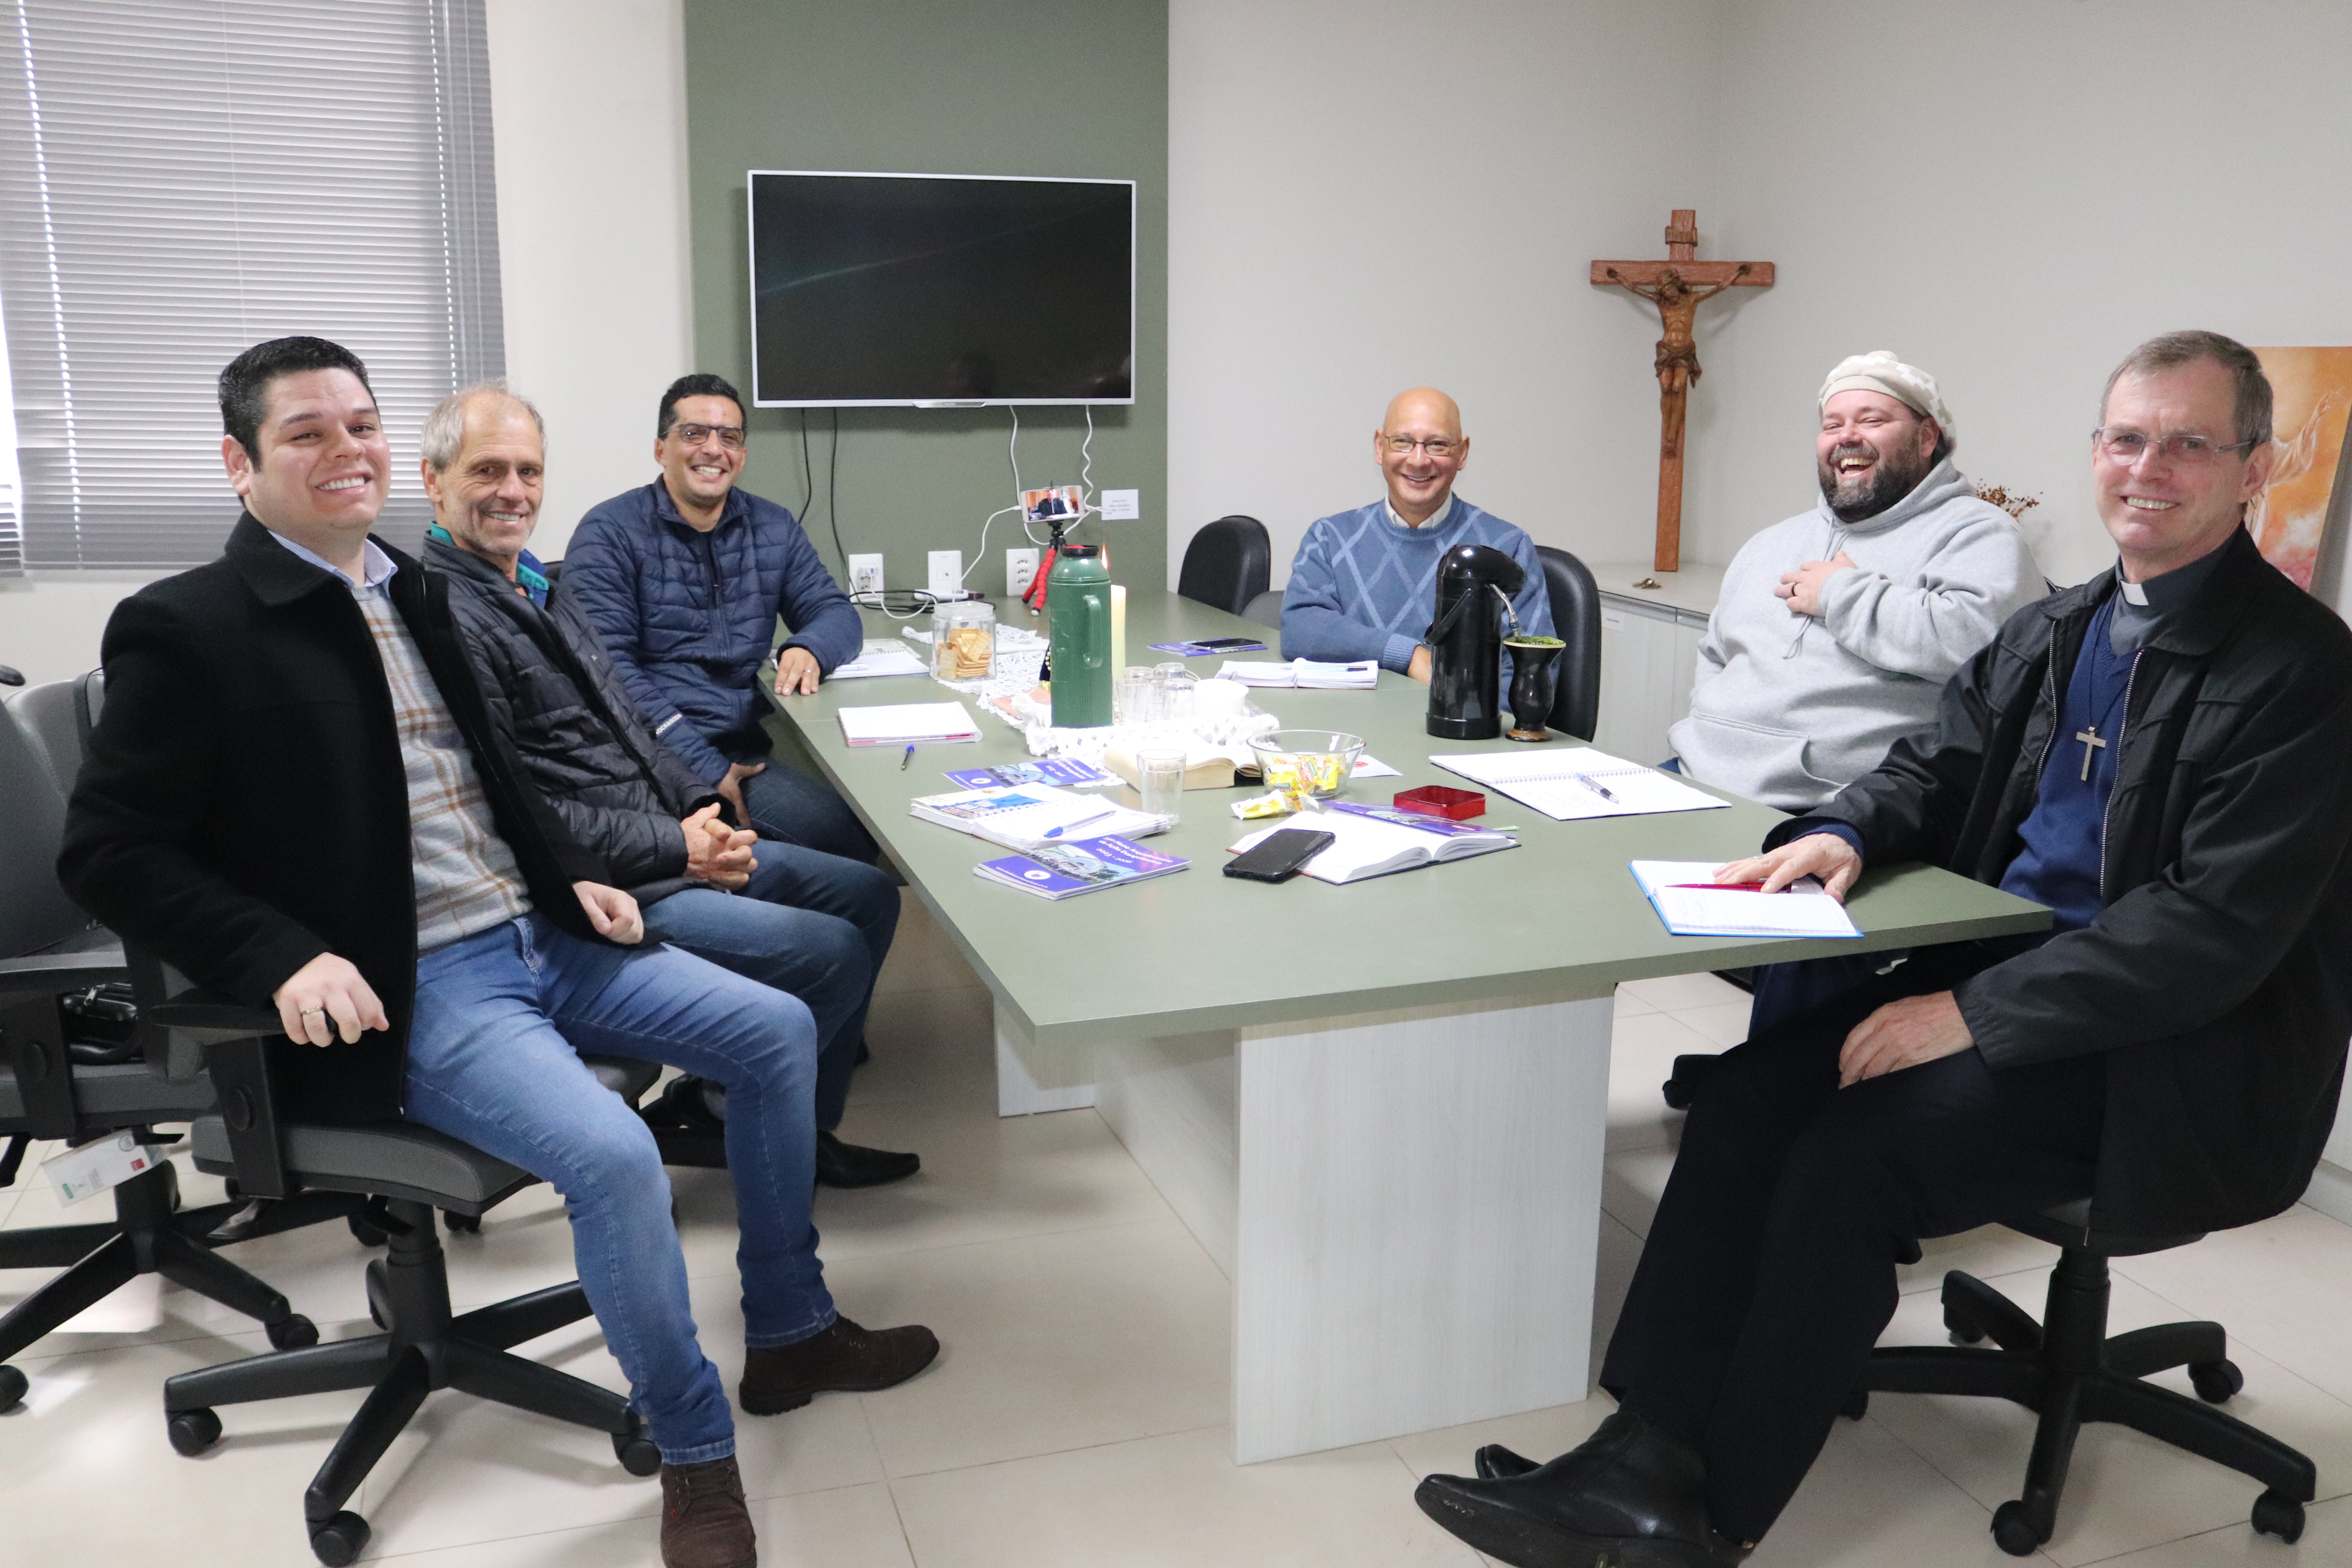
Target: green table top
x: 1559, y: 917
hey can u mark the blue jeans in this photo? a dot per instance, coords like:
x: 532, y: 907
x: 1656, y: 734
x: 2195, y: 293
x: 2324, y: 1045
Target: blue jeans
x: 787, y: 804
x: 815, y: 925
x: 493, y: 1061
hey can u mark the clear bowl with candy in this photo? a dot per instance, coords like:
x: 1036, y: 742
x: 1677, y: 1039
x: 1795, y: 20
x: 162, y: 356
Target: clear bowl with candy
x: 1311, y: 763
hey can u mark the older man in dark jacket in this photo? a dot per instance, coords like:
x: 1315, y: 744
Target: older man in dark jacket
x: 2163, y: 755
x: 684, y: 579
x: 815, y: 925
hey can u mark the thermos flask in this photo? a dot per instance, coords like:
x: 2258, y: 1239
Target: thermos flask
x: 1077, y: 601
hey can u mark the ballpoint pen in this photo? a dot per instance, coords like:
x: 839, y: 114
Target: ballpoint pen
x: 908, y: 758
x: 1600, y: 790
x: 1722, y: 886
x: 1058, y: 832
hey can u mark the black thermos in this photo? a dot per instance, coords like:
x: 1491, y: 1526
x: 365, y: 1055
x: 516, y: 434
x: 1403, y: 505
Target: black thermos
x: 1465, y: 641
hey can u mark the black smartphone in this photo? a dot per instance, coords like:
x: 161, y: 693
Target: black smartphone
x: 1277, y: 857
x: 1223, y: 645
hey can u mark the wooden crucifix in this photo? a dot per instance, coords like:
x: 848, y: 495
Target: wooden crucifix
x: 1676, y: 286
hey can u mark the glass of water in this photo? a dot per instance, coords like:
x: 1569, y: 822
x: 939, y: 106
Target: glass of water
x: 1159, y: 778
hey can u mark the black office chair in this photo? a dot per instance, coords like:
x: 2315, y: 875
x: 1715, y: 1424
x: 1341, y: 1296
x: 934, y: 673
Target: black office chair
x: 1575, y: 620
x: 1228, y: 563
x: 2068, y: 1369
x: 1265, y: 609
x: 404, y: 1171
x: 64, y: 1074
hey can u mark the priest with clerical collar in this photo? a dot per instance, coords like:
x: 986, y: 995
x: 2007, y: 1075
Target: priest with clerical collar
x: 2163, y: 757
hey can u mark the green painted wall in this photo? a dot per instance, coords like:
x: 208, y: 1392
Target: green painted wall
x: 954, y: 87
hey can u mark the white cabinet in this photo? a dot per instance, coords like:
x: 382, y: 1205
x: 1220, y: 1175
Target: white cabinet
x: 1649, y: 652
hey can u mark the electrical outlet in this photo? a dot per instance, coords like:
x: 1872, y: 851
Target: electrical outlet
x: 1020, y: 571
x: 866, y: 573
x: 946, y: 574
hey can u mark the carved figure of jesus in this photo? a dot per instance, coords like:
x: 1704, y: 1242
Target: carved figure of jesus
x: 1677, y: 360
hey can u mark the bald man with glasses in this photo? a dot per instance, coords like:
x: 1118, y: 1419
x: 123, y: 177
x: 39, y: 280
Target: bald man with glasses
x: 1364, y: 583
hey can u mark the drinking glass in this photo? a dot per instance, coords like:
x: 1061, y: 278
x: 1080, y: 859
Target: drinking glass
x: 1159, y: 778
x: 1135, y: 693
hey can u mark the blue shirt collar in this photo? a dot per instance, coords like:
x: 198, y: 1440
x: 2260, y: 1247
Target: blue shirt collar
x: 375, y: 567
x: 530, y: 572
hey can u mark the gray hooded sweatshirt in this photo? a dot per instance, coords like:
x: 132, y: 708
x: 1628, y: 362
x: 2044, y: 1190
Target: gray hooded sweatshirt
x: 1789, y: 709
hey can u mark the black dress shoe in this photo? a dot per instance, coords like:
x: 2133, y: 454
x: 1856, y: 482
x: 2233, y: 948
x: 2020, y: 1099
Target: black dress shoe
x: 1495, y: 1462
x: 1630, y: 1497
x: 840, y: 1164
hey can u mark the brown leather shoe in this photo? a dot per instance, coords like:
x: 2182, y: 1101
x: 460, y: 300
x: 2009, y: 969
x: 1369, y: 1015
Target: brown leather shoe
x: 844, y: 1358
x: 704, y: 1522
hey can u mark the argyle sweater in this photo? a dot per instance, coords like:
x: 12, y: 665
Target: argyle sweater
x: 1364, y: 587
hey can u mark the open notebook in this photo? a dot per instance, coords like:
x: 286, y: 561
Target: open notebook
x: 1682, y: 893
x: 1374, y: 840
x: 1578, y: 782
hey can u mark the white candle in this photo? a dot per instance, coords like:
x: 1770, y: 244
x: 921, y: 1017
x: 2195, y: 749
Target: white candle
x: 1118, y: 630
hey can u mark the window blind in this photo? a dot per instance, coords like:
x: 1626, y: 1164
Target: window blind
x: 182, y: 179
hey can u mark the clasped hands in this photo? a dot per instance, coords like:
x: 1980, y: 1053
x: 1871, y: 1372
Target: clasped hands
x: 1802, y: 588
x: 329, y: 999
x: 1902, y: 1033
x: 715, y: 853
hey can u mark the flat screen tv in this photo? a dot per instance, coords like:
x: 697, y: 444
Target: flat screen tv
x: 955, y: 291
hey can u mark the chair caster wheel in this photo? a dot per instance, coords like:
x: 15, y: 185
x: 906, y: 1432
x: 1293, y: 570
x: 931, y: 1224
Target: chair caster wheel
x: 363, y: 1233
x: 2216, y: 1381
x: 340, y: 1541
x: 636, y: 1451
x: 379, y: 1294
x: 2013, y: 1531
x: 292, y: 1332
x: 2275, y: 1513
x: 193, y: 1431
x: 1856, y: 1404
x: 13, y: 1387
x: 462, y: 1224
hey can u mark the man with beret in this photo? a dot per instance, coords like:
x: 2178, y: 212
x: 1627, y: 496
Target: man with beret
x: 1836, y: 629
x: 2163, y: 757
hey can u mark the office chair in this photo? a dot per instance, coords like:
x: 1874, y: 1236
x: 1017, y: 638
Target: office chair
x: 55, y: 1085
x: 1265, y: 609
x: 2069, y: 1371
x: 404, y: 1172
x: 1575, y: 620
x: 1227, y: 565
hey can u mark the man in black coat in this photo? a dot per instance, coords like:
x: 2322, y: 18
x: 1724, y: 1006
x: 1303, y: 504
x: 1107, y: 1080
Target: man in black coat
x: 295, y: 796
x: 2163, y: 755
x: 812, y: 924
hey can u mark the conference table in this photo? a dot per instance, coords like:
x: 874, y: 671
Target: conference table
x: 1380, y: 1107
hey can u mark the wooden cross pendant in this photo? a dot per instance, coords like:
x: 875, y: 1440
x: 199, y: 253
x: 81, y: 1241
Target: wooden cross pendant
x: 2090, y: 738
x: 1676, y: 286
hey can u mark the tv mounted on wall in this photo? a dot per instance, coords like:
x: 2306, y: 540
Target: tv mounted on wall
x: 952, y: 290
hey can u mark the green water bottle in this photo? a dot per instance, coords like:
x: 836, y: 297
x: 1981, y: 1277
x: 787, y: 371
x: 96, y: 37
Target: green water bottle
x: 1078, y: 600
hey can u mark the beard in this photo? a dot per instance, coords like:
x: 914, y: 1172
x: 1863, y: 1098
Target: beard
x: 1864, y: 495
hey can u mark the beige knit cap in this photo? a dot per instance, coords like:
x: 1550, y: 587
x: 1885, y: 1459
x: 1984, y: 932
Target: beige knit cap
x: 1880, y: 371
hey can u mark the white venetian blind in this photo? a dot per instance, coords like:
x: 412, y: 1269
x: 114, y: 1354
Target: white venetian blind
x: 182, y: 179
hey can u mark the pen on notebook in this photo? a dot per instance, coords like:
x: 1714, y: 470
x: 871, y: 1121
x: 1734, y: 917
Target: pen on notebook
x: 1722, y: 886
x: 1058, y: 832
x: 908, y: 758
x: 1599, y: 789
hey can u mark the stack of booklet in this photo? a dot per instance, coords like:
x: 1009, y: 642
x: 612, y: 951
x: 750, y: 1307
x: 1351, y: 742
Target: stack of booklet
x: 1084, y: 866
x: 1375, y: 840
x: 1578, y: 782
x: 1027, y: 815
x: 904, y: 723
x: 1362, y: 676
x: 1692, y: 903
x: 1075, y: 771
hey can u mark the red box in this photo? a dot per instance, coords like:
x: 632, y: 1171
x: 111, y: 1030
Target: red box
x: 1440, y: 800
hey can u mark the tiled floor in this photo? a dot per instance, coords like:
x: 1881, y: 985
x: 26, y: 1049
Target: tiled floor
x: 1077, y: 1417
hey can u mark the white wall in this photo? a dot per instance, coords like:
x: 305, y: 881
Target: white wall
x: 1370, y: 194
x: 2012, y: 193
x: 588, y: 102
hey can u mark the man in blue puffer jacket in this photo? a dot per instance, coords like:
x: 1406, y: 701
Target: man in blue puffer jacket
x: 684, y: 580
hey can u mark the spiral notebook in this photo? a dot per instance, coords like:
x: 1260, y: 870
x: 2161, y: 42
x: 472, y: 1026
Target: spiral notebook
x: 1578, y: 782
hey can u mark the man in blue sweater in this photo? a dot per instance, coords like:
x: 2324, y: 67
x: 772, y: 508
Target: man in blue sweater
x: 684, y: 580
x: 1364, y: 583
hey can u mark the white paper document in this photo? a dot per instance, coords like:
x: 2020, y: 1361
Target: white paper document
x: 883, y: 658
x: 1026, y: 817
x: 1578, y: 782
x: 1687, y: 899
x: 1362, y: 675
x: 905, y: 723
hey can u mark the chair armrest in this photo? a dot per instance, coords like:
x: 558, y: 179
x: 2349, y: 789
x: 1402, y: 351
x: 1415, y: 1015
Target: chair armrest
x: 238, y: 1066
x: 33, y: 1045
x: 210, y: 1020
x: 55, y: 972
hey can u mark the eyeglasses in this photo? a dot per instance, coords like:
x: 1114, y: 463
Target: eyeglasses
x: 1436, y: 446
x: 729, y: 436
x: 2125, y: 446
